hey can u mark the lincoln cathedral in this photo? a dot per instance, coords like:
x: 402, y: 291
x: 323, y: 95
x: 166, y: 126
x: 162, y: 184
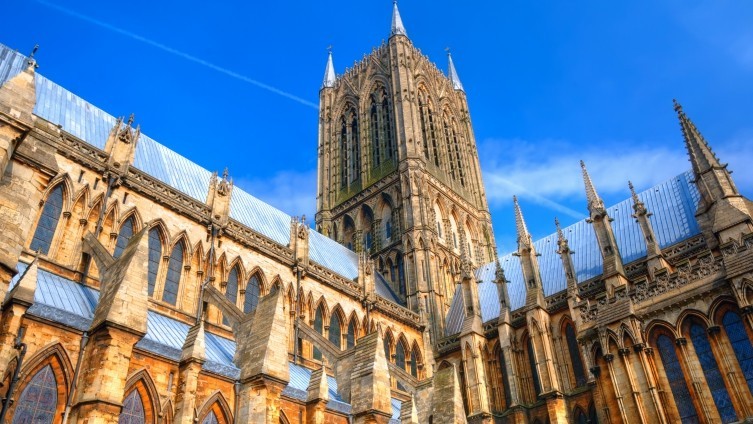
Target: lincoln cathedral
x: 138, y: 287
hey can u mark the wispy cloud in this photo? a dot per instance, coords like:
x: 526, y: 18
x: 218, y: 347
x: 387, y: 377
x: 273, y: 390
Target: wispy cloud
x: 551, y: 177
x: 292, y: 192
x: 178, y: 53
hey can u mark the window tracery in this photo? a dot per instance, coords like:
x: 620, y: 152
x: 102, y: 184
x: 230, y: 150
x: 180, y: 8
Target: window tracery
x: 48, y: 221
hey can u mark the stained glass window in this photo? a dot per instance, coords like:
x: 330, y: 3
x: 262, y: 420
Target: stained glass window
x: 155, y: 255
x: 710, y: 368
x: 735, y: 330
x: 351, y: 337
x: 335, y: 331
x: 676, y: 379
x: 575, y: 358
x: 133, y: 409
x: 124, y: 235
x: 253, y: 289
x: 319, y: 327
x: 210, y: 418
x: 400, y: 355
x: 39, y: 399
x: 174, y: 272
x: 48, y: 221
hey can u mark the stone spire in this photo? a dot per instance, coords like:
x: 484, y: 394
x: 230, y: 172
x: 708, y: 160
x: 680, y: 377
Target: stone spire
x: 453, y: 74
x: 528, y: 261
x: 595, y: 204
x: 563, y: 249
x: 701, y: 156
x: 397, y: 22
x: 329, y: 73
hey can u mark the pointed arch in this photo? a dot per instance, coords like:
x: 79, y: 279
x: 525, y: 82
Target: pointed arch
x: 141, y: 398
x: 352, y: 332
x: 68, y: 190
x: 573, y: 350
x: 389, y: 342
x: 727, y: 316
x: 401, y: 347
x: 175, y: 271
x: 252, y: 291
x: 319, y: 319
x: 216, y: 406
x: 43, y: 386
x: 416, y: 364
x: 128, y: 227
x: 156, y: 241
x: 48, y: 220
x: 336, y: 322
x: 671, y: 373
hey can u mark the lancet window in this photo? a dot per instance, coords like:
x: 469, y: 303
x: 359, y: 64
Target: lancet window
x: 155, y: 255
x: 48, y: 221
x: 39, y: 399
x: 350, y: 149
x: 741, y: 345
x: 672, y: 368
x: 253, y: 289
x: 335, y: 330
x: 124, y: 235
x: 174, y: 272
x: 231, y: 289
x: 714, y: 378
x: 133, y: 409
x: 382, y: 139
x: 319, y: 327
x: 575, y: 358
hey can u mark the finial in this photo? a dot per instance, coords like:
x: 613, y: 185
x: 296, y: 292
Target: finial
x: 560, y: 235
x: 594, y: 201
x: 452, y: 73
x: 520, y: 223
x: 130, y: 119
x: 225, y: 174
x: 633, y: 193
x: 329, y: 49
x: 329, y: 71
x: 34, y: 51
x: 678, y: 106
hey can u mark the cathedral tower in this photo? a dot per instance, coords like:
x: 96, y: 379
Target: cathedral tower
x: 399, y: 174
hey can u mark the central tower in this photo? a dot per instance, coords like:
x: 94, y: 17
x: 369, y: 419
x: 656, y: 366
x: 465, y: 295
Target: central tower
x: 398, y: 173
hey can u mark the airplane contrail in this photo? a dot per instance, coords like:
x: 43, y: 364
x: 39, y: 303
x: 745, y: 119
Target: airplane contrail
x: 178, y: 53
x: 551, y: 204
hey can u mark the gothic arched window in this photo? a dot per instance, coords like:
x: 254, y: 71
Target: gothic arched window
x: 39, y: 399
x: 210, y: 418
x: 48, y: 221
x: 174, y: 271
x: 400, y: 355
x: 448, y: 143
x: 376, y: 139
x: 124, y: 235
x: 673, y: 370
x: 389, y: 142
x: 355, y: 147
x: 575, y: 358
x: 714, y: 379
x: 458, y: 158
x: 155, y: 255
x: 400, y: 274
x: 133, y: 409
x: 253, y: 289
x: 319, y: 327
x: 335, y: 330
x: 741, y: 345
x: 423, y: 115
x: 231, y: 290
x: 351, y: 336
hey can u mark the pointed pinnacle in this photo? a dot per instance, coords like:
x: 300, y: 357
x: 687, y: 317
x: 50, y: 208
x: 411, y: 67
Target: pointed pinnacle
x: 397, y: 22
x: 591, y: 195
x: 130, y: 119
x: 225, y: 173
x: 452, y: 73
x: 560, y: 234
x: 633, y: 194
x: 701, y: 155
x: 520, y: 223
x: 329, y: 72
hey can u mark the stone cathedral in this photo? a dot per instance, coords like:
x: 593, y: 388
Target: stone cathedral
x: 139, y: 287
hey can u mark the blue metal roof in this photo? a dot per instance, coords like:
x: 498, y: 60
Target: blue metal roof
x: 331, y: 254
x: 673, y: 204
x: 11, y: 63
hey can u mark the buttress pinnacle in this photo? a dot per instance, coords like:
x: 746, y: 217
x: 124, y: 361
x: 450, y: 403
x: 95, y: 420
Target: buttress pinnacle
x: 594, y: 201
x: 701, y: 155
x: 524, y: 239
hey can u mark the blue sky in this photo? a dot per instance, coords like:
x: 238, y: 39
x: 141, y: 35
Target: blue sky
x: 549, y: 83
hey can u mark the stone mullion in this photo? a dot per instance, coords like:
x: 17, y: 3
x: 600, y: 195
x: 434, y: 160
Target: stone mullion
x: 650, y: 372
x: 634, y: 386
x: 696, y: 381
x: 599, y: 397
x: 609, y: 358
x: 728, y: 371
x: 159, y: 284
